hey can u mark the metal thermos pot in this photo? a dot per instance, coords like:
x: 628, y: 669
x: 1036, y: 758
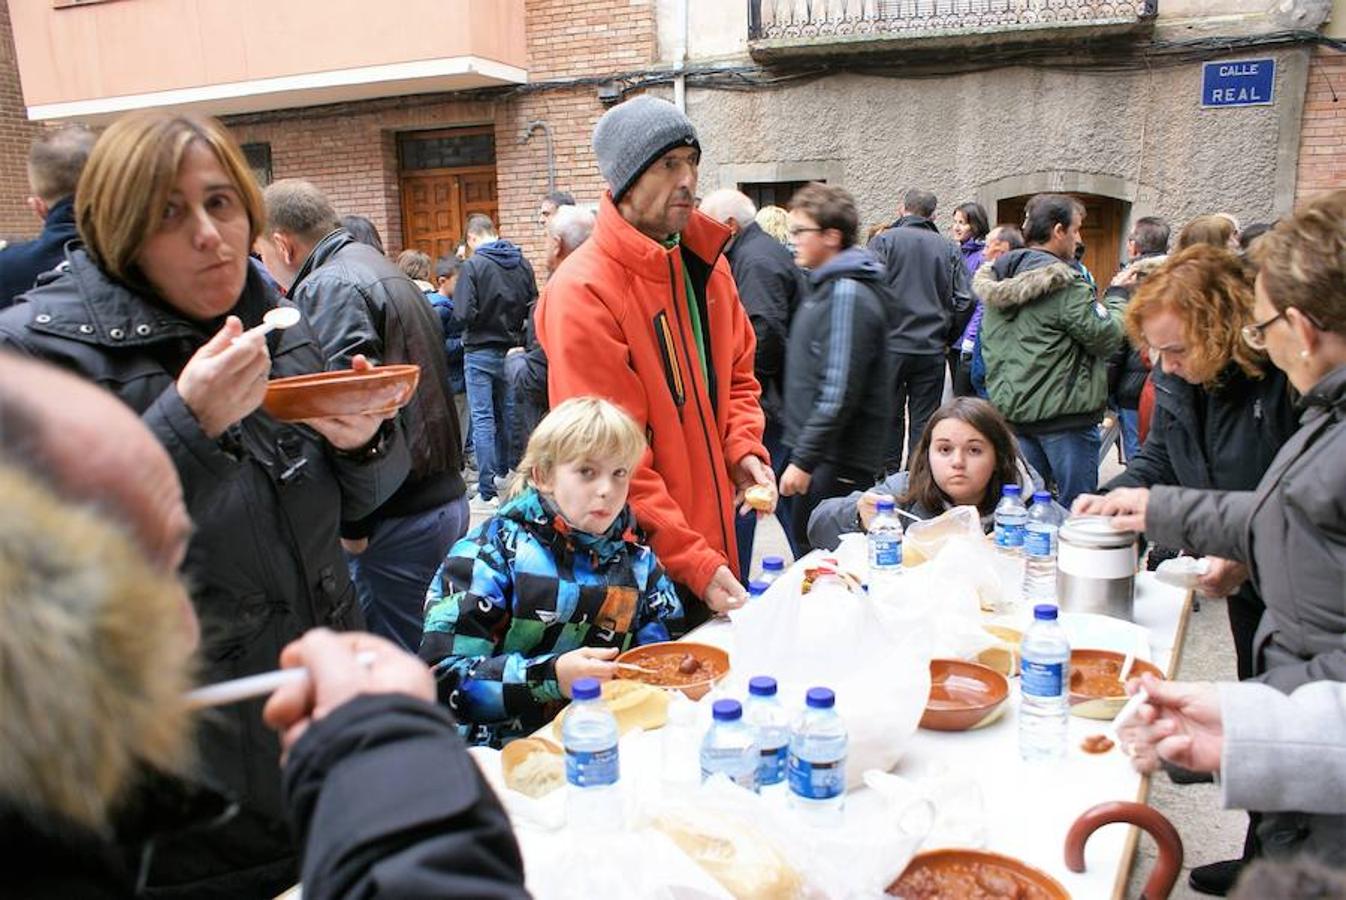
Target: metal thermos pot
x: 1096, y: 568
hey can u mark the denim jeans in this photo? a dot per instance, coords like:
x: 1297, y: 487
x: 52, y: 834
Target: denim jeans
x: 745, y: 527
x: 1069, y: 458
x: 393, y: 574
x: 488, y: 397
x: 1130, y: 421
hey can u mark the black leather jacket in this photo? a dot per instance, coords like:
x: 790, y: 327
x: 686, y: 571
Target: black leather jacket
x: 359, y: 302
x: 264, y: 564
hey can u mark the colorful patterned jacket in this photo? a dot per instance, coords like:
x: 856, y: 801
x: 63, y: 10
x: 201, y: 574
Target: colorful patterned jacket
x: 520, y: 590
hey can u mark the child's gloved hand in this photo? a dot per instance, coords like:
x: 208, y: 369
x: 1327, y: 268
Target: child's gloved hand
x: 586, y: 662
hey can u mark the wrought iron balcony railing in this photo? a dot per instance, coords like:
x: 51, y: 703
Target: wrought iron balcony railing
x: 823, y: 19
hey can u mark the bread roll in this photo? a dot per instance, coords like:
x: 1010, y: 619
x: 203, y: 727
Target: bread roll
x: 533, y: 767
x: 632, y: 703
x: 760, y: 497
x: 733, y: 852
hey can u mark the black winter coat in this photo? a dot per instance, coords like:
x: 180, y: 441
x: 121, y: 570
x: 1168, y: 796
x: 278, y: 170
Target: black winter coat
x: 1126, y: 370
x: 495, y: 293
x: 771, y: 287
x: 20, y: 264
x: 838, y: 372
x: 386, y: 802
x: 264, y: 564
x: 359, y: 302
x: 929, y: 284
x: 1223, y: 438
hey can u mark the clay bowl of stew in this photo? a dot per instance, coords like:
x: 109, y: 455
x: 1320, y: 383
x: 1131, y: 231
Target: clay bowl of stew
x: 381, y: 390
x: 1095, y: 692
x: 963, y: 695
x: 947, y: 874
x: 677, y: 665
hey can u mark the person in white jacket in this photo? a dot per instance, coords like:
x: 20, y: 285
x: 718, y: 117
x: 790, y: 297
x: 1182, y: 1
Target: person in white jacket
x: 1273, y: 752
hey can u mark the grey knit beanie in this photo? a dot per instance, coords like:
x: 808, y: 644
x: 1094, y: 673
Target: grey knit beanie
x: 633, y: 135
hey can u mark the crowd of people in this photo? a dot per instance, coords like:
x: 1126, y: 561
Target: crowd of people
x: 691, y: 365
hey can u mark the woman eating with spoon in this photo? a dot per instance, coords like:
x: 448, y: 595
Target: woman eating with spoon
x: 154, y: 308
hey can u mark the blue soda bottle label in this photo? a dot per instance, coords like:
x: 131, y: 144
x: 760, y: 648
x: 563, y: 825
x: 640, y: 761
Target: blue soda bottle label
x: 817, y: 780
x: 1042, y: 679
x: 1039, y: 541
x: 771, y: 768
x: 1007, y: 535
x: 591, y: 768
x: 886, y: 551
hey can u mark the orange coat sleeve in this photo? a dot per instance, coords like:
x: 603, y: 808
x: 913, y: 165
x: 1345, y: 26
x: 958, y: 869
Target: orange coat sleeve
x: 587, y: 355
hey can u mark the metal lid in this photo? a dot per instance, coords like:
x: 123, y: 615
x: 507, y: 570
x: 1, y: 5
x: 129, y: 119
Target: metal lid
x: 1096, y: 532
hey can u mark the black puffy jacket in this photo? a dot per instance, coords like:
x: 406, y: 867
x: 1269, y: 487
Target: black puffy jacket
x: 359, y: 302
x: 264, y: 563
x: 838, y: 372
x: 771, y: 287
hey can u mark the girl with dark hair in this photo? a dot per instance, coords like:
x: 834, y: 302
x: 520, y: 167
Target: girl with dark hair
x: 970, y: 227
x: 966, y: 454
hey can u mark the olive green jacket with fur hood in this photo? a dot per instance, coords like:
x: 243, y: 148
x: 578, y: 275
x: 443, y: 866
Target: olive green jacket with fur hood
x: 1046, y: 341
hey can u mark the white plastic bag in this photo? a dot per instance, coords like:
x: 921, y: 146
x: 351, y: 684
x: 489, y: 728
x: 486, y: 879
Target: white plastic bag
x: 1182, y: 571
x: 834, y: 637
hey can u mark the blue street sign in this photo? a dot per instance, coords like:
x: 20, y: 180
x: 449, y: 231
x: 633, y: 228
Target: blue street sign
x: 1238, y: 82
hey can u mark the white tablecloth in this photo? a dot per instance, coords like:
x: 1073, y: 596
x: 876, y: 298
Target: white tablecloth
x: 1029, y: 808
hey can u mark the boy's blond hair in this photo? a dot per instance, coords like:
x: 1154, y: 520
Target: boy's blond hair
x: 580, y: 428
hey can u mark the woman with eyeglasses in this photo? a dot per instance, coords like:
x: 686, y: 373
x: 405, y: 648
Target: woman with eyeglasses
x: 1290, y: 531
x: 1222, y: 410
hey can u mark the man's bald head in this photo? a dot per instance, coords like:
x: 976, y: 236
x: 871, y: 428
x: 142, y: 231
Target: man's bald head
x: 91, y: 448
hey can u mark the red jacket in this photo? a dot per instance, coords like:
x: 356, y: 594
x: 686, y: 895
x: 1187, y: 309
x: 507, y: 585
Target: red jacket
x: 613, y: 320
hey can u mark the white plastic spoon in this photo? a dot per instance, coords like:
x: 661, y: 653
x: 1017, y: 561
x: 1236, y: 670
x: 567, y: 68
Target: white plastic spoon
x: 262, y: 685
x: 281, y: 317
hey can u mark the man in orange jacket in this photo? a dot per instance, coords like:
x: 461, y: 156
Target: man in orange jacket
x: 645, y: 313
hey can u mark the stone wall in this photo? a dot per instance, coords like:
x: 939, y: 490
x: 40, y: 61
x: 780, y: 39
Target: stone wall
x: 1141, y: 137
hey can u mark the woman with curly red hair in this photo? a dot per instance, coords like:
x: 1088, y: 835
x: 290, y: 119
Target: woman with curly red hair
x: 1221, y: 409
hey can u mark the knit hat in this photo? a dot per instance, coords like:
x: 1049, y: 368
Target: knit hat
x: 633, y: 135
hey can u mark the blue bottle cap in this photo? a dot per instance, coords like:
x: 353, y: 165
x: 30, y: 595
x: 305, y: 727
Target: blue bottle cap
x: 1042, y: 496
x: 773, y: 563
x: 820, y: 698
x: 1045, y: 612
x: 885, y: 504
x: 1011, y: 490
x: 585, y: 689
x: 757, y: 588
x: 762, y: 686
x: 727, y: 710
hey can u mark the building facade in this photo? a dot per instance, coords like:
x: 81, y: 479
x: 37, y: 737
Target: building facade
x: 439, y: 108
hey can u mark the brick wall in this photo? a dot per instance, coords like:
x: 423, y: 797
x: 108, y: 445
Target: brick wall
x: 350, y: 151
x: 16, y: 133
x: 1322, y: 145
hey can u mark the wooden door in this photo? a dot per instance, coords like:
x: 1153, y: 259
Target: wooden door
x: 437, y: 202
x: 1101, y: 231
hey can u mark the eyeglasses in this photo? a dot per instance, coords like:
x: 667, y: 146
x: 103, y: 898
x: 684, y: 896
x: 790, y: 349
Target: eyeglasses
x: 797, y: 230
x: 1255, y: 335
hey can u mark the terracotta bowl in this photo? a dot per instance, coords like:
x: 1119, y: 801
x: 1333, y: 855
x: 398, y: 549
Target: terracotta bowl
x: 963, y: 695
x: 968, y: 871
x: 1097, y: 665
x: 713, y: 666
x: 382, y: 389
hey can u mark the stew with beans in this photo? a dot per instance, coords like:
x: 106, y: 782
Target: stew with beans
x: 966, y: 881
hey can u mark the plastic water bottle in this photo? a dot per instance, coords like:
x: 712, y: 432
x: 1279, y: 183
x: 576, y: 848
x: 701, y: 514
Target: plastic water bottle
x: 1010, y: 517
x: 756, y: 588
x: 1044, y: 709
x: 885, y: 543
x: 589, y: 735
x: 730, y: 746
x: 816, y: 767
x: 765, y: 713
x: 1040, y: 549
x: 773, y: 568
